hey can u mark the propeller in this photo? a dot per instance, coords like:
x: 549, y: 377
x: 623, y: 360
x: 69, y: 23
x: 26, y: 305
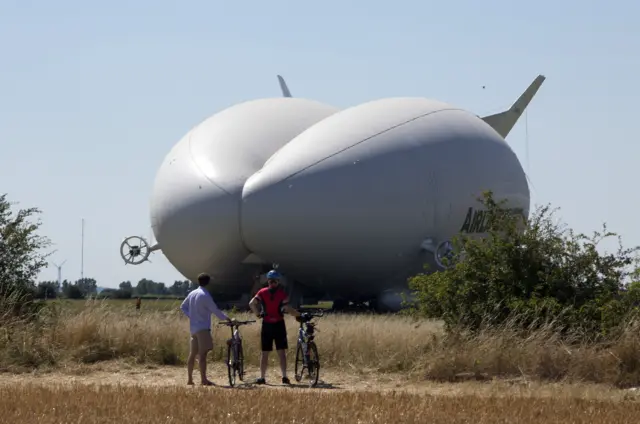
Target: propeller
x: 135, y: 250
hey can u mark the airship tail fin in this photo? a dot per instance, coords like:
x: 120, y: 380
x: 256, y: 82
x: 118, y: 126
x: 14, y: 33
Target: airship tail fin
x: 283, y: 87
x: 504, y: 122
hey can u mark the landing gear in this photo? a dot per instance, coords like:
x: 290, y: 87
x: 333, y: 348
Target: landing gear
x: 340, y: 305
x: 373, y: 305
x: 344, y: 305
x: 295, y: 297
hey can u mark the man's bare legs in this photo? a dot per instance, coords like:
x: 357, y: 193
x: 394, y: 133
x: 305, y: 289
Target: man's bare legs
x: 191, y: 361
x: 202, y: 362
x: 264, y: 361
x: 283, y: 362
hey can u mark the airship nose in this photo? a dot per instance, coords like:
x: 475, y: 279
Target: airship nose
x: 194, y: 219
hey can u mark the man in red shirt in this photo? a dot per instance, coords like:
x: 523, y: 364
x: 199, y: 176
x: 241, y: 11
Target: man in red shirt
x: 273, y: 300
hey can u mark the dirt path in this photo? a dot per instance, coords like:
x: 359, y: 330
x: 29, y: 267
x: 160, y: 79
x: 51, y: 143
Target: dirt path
x: 118, y: 373
x: 125, y: 374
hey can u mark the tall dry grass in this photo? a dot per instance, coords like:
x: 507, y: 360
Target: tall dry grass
x: 99, y: 332
x: 357, y: 343
x: 22, y: 404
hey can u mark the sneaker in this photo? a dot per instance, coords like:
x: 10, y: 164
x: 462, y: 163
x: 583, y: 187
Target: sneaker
x: 285, y: 380
x: 260, y: 381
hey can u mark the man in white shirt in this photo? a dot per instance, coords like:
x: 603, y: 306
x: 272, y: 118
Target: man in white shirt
x: 198, y: 307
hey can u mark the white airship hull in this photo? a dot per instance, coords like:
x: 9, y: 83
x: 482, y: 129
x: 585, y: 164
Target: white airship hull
x: 346, y: 205
x: 349, y: 203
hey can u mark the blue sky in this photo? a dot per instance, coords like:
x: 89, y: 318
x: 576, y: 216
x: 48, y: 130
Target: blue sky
x: 92, y: 97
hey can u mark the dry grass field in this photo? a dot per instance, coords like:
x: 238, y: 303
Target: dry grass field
x: 359, y: 343
x: 136, y: 405
x: 102, y: 363
x: 99, y: 332
x: 116, y: 391
x: 160, y: 304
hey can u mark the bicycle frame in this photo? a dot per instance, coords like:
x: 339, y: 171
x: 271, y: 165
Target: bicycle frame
x: 306, y: 334
x: 306, y: 338
x: 234, y: 341
x: 235, y: 360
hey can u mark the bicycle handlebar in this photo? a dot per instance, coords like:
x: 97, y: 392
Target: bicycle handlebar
x: 319, y: 313
x: 308, y: 316
x: 230, y: 323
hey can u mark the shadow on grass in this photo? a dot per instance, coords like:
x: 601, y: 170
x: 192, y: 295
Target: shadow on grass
x: 320, y: 385
x: 250, y: 385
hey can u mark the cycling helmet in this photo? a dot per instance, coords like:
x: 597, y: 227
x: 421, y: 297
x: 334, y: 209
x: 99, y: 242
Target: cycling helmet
x: 273, y: 274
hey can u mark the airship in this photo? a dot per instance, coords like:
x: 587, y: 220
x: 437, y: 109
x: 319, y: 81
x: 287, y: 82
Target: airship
x: 347, y: 204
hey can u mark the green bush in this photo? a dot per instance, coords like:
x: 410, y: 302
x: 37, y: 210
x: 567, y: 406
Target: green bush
x: 21, y: 260
x: 531, y: 272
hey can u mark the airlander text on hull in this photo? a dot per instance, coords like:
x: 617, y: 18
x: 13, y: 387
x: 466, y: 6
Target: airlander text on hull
x: 476, y: 220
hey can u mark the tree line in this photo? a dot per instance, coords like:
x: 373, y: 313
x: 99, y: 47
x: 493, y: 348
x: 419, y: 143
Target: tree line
x: 88, y: 287
x: 526, y: 273
x: 24, y: 254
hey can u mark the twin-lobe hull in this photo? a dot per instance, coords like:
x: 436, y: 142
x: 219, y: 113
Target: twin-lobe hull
x: 342, y: 200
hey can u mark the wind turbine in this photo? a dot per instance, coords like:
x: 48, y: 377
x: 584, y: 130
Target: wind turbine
x: 60, y: 273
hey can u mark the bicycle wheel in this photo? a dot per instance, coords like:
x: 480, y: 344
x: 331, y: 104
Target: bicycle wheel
x: 313, y: 364
x: 299, y: 368
x: 231, y: 364
x: 240, y: 362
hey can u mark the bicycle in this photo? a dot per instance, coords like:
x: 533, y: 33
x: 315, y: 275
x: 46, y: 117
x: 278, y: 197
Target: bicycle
x: 235, y: 357
x: 307, y: 351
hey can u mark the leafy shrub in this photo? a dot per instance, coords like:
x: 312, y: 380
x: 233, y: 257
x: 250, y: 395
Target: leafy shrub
x: 533, y: 272
x: 20, y: 259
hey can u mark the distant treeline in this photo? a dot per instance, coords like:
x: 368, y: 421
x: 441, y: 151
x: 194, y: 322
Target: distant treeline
x: 88, y: 287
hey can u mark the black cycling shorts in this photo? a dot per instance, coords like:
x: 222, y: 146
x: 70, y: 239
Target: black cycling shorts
x: 276, y: 331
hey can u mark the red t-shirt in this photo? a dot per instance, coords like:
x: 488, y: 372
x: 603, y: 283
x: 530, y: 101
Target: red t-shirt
x: 272, y: 302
